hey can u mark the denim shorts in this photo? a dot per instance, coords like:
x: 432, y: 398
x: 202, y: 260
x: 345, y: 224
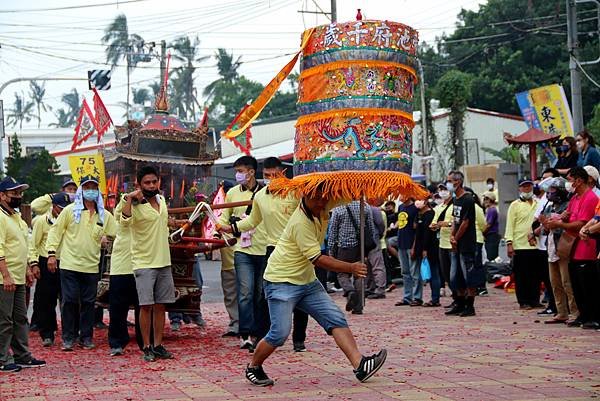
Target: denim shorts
x: 310, y: 298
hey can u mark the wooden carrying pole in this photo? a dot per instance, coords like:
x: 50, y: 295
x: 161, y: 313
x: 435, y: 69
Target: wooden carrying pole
x: 361, y: 281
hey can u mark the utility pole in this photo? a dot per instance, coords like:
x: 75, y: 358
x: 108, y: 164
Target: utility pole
x: 333, y: 11
x: 163, y: 58
x: 424, y: 145
x: 573, y: 44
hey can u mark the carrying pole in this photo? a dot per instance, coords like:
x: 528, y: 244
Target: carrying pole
x: 361, y: 285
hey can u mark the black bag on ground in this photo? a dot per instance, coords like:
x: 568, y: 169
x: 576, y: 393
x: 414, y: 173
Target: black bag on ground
x: 495, y: 269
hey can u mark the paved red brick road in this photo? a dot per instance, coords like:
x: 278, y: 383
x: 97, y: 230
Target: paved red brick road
x: 501, y: 354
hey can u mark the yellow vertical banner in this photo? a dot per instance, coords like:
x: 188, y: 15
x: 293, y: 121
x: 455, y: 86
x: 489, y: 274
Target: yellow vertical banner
x: 84, y: 165
x: 552, y: 110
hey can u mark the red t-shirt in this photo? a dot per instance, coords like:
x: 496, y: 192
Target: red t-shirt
x: 583, y: 208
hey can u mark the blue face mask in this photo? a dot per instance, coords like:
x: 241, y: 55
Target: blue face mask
x: 90, y: 194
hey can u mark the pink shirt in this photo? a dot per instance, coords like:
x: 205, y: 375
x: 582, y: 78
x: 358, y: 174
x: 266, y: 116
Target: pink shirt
x: 582, y: 208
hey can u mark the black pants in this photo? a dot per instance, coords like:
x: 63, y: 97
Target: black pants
x: 492, y: 242
x: 585, y: 278
x: 544, y: 272
x: 78, y: 299
x: 445, y: 265
x: 389, y: 267
x: 528, y: 265
x: 47, y: 292
x: 300, y: 317
x: 121, y: 296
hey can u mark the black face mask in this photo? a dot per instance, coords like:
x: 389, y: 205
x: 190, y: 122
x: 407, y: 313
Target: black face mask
x: 149, y: 194
x: 15, y: 203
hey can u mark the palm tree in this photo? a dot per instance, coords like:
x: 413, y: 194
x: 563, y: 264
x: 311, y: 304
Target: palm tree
x: 73, y: 101
x: 21, y: 111
x: 227, y: 70
x: 63, y: 119
x: 119, y: 42
x: 37, y: 95
x: 186, y: 51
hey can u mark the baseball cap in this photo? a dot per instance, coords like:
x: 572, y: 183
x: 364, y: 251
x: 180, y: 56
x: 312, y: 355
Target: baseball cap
x: 9, y: 183
x: 592, y: 172
x: 525, y: 181
x: 89, y: 178
x: 490, y: 195
x: 68, y: 181
x: 61, y: 199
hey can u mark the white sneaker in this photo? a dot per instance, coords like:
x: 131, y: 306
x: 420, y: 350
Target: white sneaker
x: 246, y: 344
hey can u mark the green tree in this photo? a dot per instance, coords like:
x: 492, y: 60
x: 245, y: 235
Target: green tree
x: 509, y: 154
x: 22, y: 111
x: 186, y: 50
x: 509, y: 46
x: 454, y: 91
x: 593, y: 125
x: 37, y: 94
x: 120, y: 43
x: 38, y: 170
x: 68, y: 117
x: 63, y: 119
x: 227, y: 69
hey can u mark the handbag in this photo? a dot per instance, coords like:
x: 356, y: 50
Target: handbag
x: 425, y: 270
x: 566, y: 245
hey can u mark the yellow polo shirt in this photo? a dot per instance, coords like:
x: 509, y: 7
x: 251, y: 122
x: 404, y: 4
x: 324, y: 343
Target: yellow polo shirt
x: 149, y: 235
x: 480, y: 223
x: 42, y: 204
x: 299, y: 245
x: 259, y: 238
x: 519, y: 219
x: 445, y: 232
x: 120, y: 257
x: 13, y: 245
x: 79, y: 242
x: 39, y: 235
x: 271, y: 210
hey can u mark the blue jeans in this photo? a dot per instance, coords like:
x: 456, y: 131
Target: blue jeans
x: 310, y: 298
x: 178, y: 317
x: 411, y: 276
x: 465, y: 271
x: 249, y: 270
x: 435, y: 282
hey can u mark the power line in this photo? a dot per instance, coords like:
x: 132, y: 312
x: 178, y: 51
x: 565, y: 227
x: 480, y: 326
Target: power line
x: 27, y: 10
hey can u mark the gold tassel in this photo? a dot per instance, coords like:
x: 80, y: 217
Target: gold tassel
x: 350, y: 185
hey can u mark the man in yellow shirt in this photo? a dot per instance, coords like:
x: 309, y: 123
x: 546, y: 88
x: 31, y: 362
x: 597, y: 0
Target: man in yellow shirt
x: 521, y: 246
x: 78, y: 232
x: 249, y: 251
x: 290, y: 282
x: 145, y: 215
x: 43, y: 204
x: 122, y: 290
x: 14, y: 274
x: 275, y: 212
x: 47, y: 288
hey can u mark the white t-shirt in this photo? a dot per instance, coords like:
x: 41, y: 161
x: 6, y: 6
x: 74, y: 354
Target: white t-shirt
x: 542, y: 203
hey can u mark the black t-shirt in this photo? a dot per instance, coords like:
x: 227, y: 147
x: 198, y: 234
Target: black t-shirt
x: 426, y: 239
x: 567, y: 162
x: 464, y: 209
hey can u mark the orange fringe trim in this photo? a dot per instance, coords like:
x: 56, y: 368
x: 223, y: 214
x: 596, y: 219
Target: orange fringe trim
x: 350, y: 63
x: 311, y: 118
x: 350, y: 185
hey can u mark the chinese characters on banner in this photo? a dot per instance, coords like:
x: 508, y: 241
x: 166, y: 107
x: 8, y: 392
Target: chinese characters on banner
x: 86, y: 125
x: 93, y: 165
x: 546, y: 108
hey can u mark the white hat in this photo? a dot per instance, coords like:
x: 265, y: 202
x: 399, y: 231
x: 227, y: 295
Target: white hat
x: 592, y: 172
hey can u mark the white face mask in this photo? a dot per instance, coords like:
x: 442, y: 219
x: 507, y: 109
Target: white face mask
x: 490, y: 186
x: 439, y: 201
x: 444, y: 194
x: 450, y: 187
x: 569, y: 187
x: 526, y: 195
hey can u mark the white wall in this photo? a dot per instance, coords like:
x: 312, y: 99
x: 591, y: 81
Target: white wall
x: 262, y: 135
